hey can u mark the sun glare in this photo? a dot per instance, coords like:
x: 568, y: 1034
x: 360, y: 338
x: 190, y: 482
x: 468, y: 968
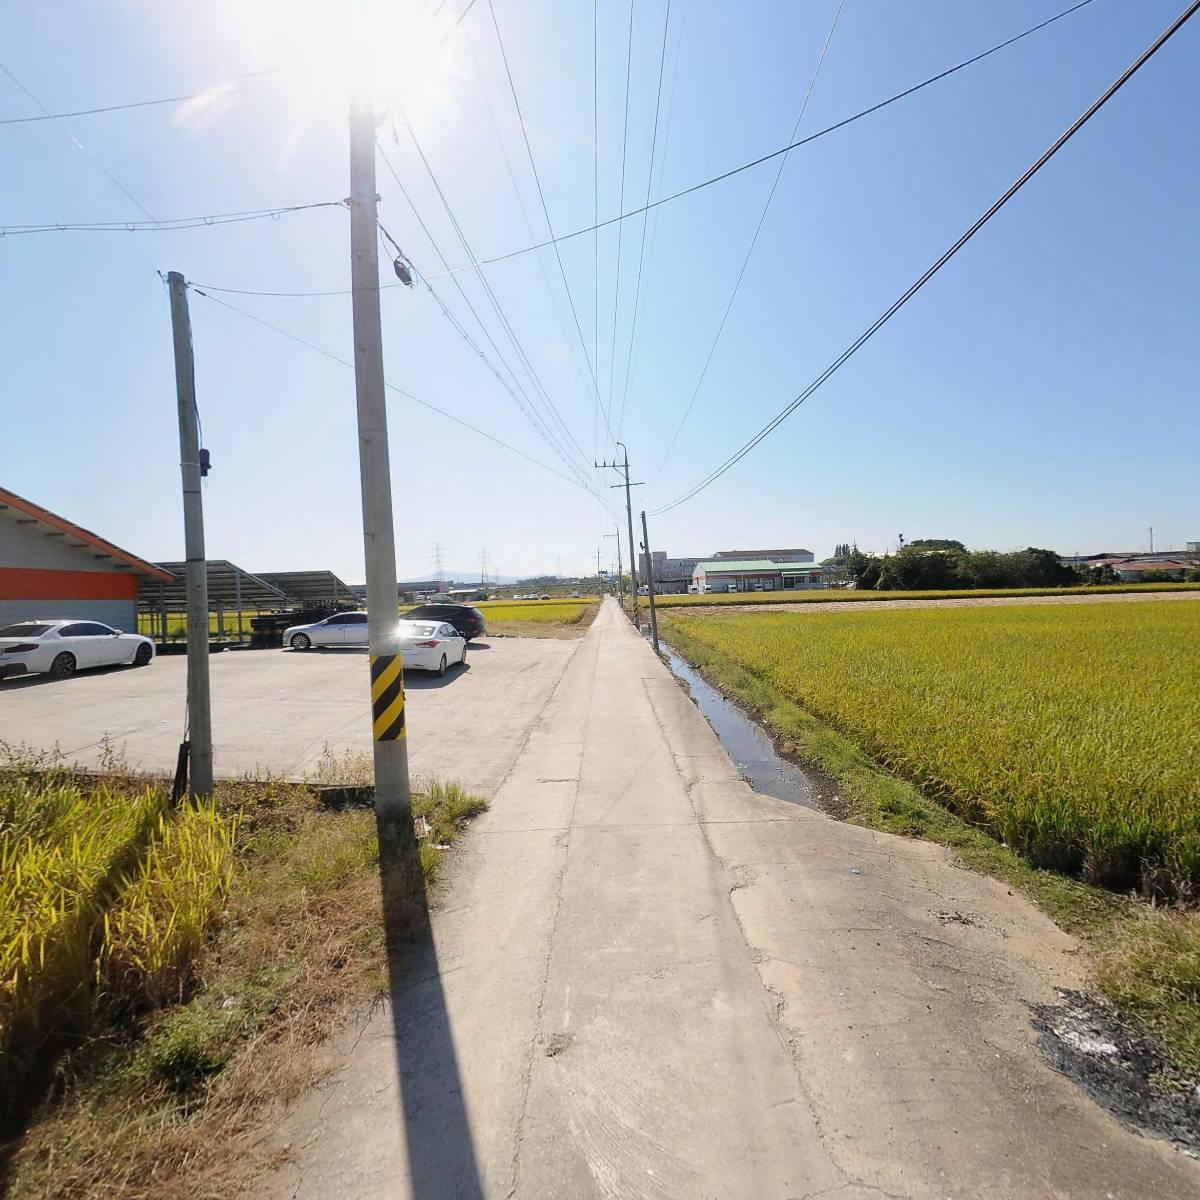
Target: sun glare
x: 327, y: 52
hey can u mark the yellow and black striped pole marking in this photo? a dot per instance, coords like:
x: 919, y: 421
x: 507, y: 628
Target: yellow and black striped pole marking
x: 387, y: 697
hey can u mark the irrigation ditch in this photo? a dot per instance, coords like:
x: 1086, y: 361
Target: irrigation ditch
x: 1084, y: 1036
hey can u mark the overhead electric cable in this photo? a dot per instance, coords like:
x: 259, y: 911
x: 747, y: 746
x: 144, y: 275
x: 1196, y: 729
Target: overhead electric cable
x: 568, y: 340
x: 450, y: 32
x: 637, y: 290
x: 345, y: 362
x: 749, y: 249
x: 465, y: 334
x: 662, y: 166
x: 545, y: 210
x: 612, y: 352
x: 564, y: 452
x: 202, y: 93
x: 80, y: 146
x: 940, y: 262
x: 663, y: 199
x: 595, y: 206
x: 169, y: 224
x: 556, y: 240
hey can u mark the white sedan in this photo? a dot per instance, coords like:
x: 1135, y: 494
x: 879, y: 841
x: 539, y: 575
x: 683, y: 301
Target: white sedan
x: 60, y: 648
x: 425, y: 645
x: 431, y: 645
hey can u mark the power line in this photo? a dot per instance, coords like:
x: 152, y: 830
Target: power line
x: 537, y: 462
x: 595, y: 205
x: 450, y: 32
x: 637, y: 291
x: 120, y: 225
x: 78, y: 144
x: 955, y: 247
x: 203, y: 93
x: 612, y: 355
x: 543, y: 429
x: 458, y: 325
x: 757, y: 162
x: 508, y: 167
x: 749, y: 249
x: 226, y: 87
x: 170, y: 224
x: 545, y: 210
x: 662, y: 167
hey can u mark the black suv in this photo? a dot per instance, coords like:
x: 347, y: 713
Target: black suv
x: 467, y: 620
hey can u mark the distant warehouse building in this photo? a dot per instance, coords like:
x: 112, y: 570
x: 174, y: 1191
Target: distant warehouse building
x: 671, y: 575
x: 51, y: 567
x: 798, y: 555
x: 756, y: 575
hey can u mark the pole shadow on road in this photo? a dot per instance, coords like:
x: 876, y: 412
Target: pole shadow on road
x: 441, y: 1152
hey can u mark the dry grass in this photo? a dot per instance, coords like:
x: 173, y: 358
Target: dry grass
x: 175, y: 1104
x: 1150, y: 966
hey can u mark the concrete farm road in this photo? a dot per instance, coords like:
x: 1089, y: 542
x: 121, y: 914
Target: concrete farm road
x: 645, y: 980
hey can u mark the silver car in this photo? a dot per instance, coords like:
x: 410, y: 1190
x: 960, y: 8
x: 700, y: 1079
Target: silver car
x: 342, y: 629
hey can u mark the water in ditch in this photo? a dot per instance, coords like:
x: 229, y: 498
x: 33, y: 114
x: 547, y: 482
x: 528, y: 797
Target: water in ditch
x: 744, y: 741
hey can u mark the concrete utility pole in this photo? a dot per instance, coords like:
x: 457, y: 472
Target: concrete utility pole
x: 599, y: 589
x: 199, y: 738
x: 393, y: 797
x: 624, y: 467
x: 650, y: 584
x: 620, y: 568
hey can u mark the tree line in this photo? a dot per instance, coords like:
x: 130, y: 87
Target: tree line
x: 943, y: 564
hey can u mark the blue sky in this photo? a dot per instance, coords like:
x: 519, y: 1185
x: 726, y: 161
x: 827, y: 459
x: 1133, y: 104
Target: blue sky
x: 1041, y: 390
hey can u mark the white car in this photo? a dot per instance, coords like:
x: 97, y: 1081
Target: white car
x: 62, y: 647
x: 342, y: 629
x: 431, y: 645
x: 425, y: 645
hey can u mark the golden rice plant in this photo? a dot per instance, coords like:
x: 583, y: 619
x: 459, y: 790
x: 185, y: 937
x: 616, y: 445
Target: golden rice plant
x: 1072, y: 732
x: 153, y: 934
x: 106, y: 896
x: 61, y: 856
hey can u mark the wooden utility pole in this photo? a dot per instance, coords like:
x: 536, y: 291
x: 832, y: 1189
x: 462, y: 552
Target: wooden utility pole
x: 650, y: 584
x: 393, y: 797
x: 199, y: 707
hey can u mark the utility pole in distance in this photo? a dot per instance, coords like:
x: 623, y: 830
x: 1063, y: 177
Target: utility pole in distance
x: 650, y: 583
x: 393, y: 797
x: 616, y: 466
x: 620, y: 569
x: 199, y: 737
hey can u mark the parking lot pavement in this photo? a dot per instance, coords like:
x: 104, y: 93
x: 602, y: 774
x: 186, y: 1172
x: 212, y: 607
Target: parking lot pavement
x: 280, y: 711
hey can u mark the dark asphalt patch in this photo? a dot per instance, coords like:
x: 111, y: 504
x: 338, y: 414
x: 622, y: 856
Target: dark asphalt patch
x: 1084, y: 1038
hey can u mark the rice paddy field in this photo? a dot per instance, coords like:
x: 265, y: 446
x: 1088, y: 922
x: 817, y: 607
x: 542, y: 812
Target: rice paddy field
x: 562, y: 612
x: 1070, y: 733
x: 841, y: 595
x: 539, y: 618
